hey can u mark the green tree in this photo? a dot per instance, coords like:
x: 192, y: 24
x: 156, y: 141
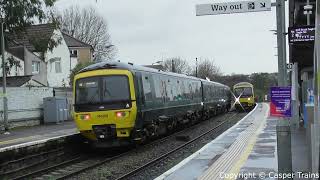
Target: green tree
x: 76, y: 69
x: 19, y: 14
x: 208, y: 69
x: 10, y: 63
x: 262, y: 83
x: 90, y: 27
x: 180, y: 65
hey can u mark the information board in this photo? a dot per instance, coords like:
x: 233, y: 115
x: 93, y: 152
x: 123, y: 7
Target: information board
x: 280, y: 104
x: 233, y: 7
x: 301, y: 34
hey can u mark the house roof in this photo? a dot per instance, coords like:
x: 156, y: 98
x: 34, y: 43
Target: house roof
x: 16, y: 81
x: 19, y: 81
x: 17, y: 51
x: 40, y: 32
x: 73, y: 42
x: 20, y: 52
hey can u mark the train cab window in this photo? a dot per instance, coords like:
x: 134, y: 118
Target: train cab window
x: 102, y: 89
x: 88, y: 91
x: 115, y: 88
x: 246, y: 91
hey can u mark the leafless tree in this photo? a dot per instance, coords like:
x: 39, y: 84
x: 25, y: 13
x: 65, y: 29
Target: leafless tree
x: 208, y: 69
x: 179, y: 65
x: 90, y: 27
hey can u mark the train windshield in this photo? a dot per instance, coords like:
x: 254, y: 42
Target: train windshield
x: 102, y: 89
x: 244, y: 92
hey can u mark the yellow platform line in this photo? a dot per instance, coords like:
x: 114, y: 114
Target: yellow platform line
x: 244, y: 157
x: 19, y: 140
x: 224, y: 163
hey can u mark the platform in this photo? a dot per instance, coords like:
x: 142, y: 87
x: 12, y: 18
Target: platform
x: 28, y: 136
x: 248, y: 148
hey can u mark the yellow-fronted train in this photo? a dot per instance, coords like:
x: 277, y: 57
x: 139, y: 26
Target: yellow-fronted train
x: 118, y: 104
x: 245, y: 95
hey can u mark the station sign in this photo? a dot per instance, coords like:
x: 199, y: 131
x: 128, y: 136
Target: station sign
x: 280, y: 103
x: 301, y: 34
x: 233, y: 7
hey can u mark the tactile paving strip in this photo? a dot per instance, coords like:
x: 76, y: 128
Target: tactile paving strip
x: 233, y: 155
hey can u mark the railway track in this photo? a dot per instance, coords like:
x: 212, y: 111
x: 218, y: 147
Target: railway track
x: 141, y: 168
x: 82, y: 163
x: 17, y: 167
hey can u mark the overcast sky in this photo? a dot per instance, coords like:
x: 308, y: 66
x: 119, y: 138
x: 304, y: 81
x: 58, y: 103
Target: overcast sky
x: 146, y: 31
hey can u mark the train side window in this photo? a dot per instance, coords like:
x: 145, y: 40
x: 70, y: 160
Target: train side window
x: 196, y: 90
x: 182, y: 89
x: 214, y: 92
x: 163, y: 88
x: 147, y: 88
x: 170, y: 88
x: 209, y: 92
x: 157, y: 86
x: 186, y: 89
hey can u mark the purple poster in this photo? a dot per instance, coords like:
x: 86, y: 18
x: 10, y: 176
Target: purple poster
x: 280, y: 104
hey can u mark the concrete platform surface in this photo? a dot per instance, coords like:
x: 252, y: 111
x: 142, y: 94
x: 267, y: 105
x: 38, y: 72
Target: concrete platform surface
x: 27, y: 136
x: 250, y: 146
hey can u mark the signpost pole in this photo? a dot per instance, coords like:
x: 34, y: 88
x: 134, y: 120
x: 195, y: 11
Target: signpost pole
x: 295, y: 97
x: 283, y: 127
x: 281, y: 39
x: 315, y: 136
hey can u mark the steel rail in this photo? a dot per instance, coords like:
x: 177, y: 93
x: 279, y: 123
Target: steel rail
x: 136, y: 149
x: 101, y: 161
x: 48, y: 168
x: 133, y: 150
x: 173, y: 151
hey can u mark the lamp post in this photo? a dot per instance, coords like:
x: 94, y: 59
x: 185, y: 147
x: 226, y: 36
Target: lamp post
x: 172, y: 66
x: 196, y: 67
x: 4, y: 80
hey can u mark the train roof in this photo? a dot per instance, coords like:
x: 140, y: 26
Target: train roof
x: 243, y: 84
x: 132, y: 67
x: 216, y: 83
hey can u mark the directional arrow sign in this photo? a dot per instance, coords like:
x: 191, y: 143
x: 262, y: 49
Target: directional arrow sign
x: 233, y: 7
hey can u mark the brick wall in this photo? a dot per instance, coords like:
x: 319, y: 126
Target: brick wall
x: 25, y: 105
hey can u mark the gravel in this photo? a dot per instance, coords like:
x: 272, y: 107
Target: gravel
x: 140, y: 156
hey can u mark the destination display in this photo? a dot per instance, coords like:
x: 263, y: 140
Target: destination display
x: 280, y: 104
x: 301, y: 34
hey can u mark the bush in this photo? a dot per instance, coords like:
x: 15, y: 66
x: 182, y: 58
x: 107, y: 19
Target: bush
x: 76, y: 69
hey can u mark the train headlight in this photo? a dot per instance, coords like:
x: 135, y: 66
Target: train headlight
x: 85, y: 117
x: 249, y: 99
x: 120, y: 114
